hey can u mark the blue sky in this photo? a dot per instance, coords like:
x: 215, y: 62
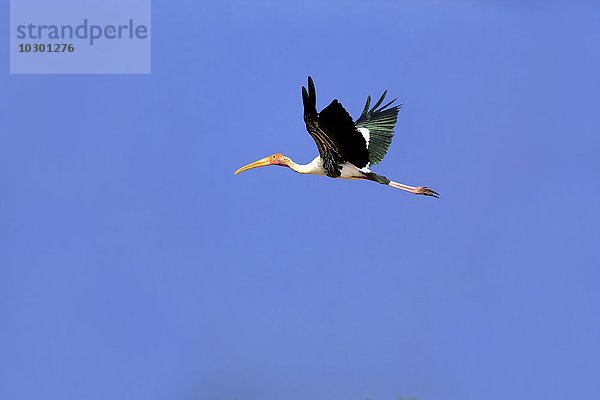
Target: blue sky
x: 135, y: 265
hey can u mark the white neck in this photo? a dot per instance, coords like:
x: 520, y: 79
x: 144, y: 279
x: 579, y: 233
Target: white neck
x: 315, y: 167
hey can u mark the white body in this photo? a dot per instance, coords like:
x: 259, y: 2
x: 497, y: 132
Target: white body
x: 315, y: 167
x: 350, y: 171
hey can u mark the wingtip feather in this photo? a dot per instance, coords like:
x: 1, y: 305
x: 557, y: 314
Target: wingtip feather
x: 309, y: 97
x: 379, y: 101
x: 367, y: 104
x: 311, y: 89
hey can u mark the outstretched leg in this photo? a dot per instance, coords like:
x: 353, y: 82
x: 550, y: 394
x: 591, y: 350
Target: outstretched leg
x: 422, y: 190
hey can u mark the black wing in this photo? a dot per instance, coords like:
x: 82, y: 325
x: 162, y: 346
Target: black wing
x: 334, y: 132
x: 380, y: 122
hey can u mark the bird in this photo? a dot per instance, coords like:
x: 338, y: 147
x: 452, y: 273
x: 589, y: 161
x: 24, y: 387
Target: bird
x: 347, y: 148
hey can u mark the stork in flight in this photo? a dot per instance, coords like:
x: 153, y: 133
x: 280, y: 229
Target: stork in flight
x: 346, y: 149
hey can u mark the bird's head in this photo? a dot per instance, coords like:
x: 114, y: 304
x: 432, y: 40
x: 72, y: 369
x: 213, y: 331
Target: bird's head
x: 274, y: 159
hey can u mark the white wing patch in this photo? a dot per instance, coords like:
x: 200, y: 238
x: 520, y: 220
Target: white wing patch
x: 366, y: 134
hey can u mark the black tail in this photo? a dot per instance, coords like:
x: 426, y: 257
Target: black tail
x: 309, y: 98
x: 372, y: 176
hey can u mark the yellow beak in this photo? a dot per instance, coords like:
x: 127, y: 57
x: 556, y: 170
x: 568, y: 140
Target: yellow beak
x: 263, y: 162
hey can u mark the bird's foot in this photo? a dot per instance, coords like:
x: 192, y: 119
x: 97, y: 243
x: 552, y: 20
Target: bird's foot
x: 425, y: 191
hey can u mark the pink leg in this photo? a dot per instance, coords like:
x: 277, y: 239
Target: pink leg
x: 422, y: 190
